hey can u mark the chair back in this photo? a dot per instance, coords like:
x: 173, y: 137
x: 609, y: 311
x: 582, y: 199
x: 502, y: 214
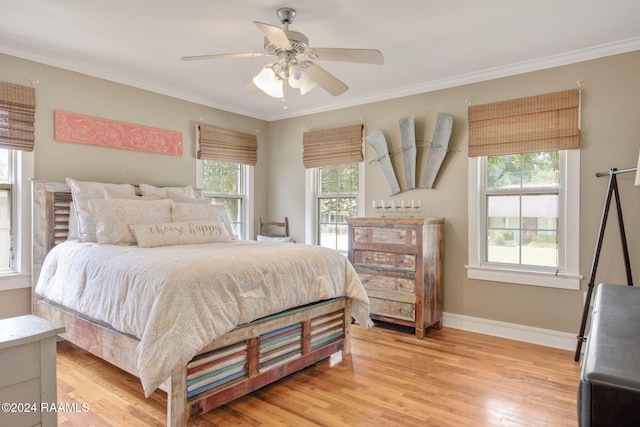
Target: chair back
x: 274, y: 228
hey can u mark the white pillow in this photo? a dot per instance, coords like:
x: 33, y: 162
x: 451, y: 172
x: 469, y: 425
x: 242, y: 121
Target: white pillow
x: 261, y: 238
x: 184, y: 212
x: 113, y: 217
x: 178, y: 233
x: 181, y: 198
x: 110, y: 193
x: 149, y: 190
x: 72, y: 231
x: 82, y: 192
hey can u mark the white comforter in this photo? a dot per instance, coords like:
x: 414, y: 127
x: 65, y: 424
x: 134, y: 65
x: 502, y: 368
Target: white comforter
x: 177, y: 299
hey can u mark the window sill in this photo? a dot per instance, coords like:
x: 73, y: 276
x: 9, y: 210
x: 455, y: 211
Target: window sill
x: 11, y: 281
x: 521, y: 277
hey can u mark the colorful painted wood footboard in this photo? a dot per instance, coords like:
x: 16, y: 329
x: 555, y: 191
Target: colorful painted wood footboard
x: 239, y: 362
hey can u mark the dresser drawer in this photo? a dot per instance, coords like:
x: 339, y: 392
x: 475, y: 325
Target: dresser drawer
x: 385, y: 260
x: 396, y: 309
x: 398, y: 284
x: 398, y: 236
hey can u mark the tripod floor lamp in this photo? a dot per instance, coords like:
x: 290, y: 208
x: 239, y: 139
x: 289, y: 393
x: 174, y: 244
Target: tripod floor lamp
x: 612, y: 193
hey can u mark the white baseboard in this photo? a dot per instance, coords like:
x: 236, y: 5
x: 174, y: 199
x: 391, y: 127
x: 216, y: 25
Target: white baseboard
x: 513, y: 331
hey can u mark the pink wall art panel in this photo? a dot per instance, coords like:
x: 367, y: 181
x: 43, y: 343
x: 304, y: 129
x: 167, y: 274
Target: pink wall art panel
x: 71, y: 127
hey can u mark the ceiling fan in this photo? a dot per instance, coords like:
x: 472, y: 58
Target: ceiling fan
x: 295, y: 60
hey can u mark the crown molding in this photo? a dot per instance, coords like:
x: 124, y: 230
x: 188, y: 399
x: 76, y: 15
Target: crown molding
x: 567, y: 58
x: 572, y: 57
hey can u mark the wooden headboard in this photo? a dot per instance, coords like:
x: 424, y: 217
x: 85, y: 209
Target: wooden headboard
x: 50, y: 214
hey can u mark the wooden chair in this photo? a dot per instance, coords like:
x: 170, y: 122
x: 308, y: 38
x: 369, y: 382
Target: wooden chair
x: 267, y: 228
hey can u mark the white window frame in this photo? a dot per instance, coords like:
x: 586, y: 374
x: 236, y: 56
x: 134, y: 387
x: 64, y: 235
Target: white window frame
x: 311, y: 201
x: 22, y: 170
x: 567, y: 275
x: 247, y: 172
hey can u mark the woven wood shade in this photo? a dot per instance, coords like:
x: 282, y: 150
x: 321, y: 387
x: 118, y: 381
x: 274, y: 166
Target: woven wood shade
x: 525, y: 125
x: 17, y: 117
x: 227, y: 146
x: 333, y: 147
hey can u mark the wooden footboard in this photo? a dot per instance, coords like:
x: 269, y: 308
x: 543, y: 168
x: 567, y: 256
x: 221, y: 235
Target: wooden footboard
x: 259, y: 353
x: 241, y: 361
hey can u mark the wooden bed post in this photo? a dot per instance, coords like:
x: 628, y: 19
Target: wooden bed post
x: 177, y: 415
x: 44, y: 224
x: 347, y: 327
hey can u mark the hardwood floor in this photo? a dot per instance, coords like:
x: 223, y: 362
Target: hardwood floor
x: 450, y: 378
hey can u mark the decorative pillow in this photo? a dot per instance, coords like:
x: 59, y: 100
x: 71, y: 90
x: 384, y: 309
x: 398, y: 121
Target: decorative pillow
x: 184, y: 212
x: 179, y: 233
x: 82, y: 192
x: 113, y: 217
x: 110, y: 193
x: 148, y: 190
x: 180, y: 198
x: 261, y: 238
x: 72, y: 232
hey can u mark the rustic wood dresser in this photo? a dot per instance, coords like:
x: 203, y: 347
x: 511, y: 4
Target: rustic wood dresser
x: 399, y: 261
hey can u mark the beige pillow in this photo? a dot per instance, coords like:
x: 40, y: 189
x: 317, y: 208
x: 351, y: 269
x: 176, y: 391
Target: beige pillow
x: 184, y: 212
x: 179, y: 233
x: 113, y: 217
x: 84, y: 191
x: 149, y: 190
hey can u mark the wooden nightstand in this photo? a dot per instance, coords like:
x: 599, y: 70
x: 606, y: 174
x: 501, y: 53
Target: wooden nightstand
x: 28, y: 371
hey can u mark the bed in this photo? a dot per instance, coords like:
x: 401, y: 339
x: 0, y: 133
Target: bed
x: 206, y: 322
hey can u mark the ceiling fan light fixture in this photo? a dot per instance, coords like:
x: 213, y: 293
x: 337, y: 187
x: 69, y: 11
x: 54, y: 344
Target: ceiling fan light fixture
x: 308, y: 87
x: 298, y: 77
x: 291, y: 48
x: 268, y: 81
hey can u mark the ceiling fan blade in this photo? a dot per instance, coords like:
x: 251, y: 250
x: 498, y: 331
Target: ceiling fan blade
x: 274, y: 34
x: 224, y: 55
x: 326, y: 80
x: 364, y: 56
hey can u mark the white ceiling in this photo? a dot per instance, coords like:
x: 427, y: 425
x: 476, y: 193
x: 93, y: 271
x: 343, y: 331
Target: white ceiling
x: 427, y: 44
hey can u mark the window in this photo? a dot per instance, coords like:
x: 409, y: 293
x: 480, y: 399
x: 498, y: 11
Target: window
x: 521, y: 196
x: 524, y: 209
x: 17, y: 139
x: 225, y: 182
x: 16, y: 167
x: 336, y: 200
x: 334, y: 161
x: 6, y: 178
x: 224, y: 170
x: 523, y: 218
